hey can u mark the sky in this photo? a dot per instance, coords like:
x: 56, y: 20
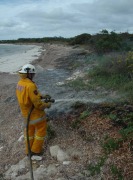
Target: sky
x: 65, y: 18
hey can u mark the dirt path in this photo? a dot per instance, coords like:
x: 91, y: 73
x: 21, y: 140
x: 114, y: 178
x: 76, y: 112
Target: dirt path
x: 52, y: 52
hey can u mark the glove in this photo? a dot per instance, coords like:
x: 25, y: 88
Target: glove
x: 46, y: 96
x: 48, y: 105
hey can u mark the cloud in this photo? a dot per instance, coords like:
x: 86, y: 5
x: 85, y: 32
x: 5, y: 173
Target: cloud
x: 41, y: 18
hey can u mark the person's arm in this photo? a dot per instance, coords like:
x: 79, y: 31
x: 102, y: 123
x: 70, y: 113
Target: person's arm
x: 35, y: 98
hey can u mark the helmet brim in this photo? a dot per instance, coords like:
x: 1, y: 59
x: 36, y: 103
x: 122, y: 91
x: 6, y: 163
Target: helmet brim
x: 23, y: 72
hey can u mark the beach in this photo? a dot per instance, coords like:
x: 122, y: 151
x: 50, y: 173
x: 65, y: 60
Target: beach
x: 11, y: 63
x: 42, y: 56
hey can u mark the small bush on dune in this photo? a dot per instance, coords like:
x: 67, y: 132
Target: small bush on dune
x: 129, y: 63
x: 108, y: 42
x: 115, y: 71
x: 80, y: 39
x: 113, y: 64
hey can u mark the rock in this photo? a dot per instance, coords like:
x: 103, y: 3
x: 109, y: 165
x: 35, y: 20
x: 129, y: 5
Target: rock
x: 39, y: 174
x: 62, y: 156
x: 23, y: 177
x: 51, y: 170
x: 66, y: 162
x: 17, y: 169
x: 74, y: 153
x: 54, y: 151
x: 1, y: 148
x: 21, y: 138
x: 41, y: 170
x: 58, y: 153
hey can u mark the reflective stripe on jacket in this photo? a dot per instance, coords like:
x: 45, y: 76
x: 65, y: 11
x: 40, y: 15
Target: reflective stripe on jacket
x: 32, y: 122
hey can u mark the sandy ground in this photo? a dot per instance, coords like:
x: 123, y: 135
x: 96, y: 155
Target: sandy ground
x: 52, y: 52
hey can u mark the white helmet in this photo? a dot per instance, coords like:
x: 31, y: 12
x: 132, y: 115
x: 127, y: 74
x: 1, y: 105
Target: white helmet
x: 27, y: 68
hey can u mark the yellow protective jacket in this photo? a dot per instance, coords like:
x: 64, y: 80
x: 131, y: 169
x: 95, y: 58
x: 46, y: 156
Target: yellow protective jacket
x: 28, y: 95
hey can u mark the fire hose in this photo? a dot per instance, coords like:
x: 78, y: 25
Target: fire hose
x: 46, y: 99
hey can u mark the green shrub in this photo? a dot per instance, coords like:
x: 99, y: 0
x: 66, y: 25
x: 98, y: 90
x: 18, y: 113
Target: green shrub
x: 77, y: 84
x: 116, y: 172
x: 50, y: 132
x: 108, y: 42
x: 114, y: 71
x: 127, y: 91
x: 113, y: 64
x: 84, y: 114
x: 95, y: 169
x: 129, y: 63
x: 81, y: 39
x: 76, y: 123
x: 111, y: 145
x: 127, y: 133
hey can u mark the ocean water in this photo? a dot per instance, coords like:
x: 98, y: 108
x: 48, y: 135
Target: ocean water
x: 10, y: 49
x: 13, y: 57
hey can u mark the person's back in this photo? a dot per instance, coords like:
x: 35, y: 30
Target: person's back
x: 28, y: 95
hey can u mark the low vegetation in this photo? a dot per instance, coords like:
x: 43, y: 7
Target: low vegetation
x: 110, y: 126
x: 115, y: 72
x: 110, y: 68
x: 112, y: 71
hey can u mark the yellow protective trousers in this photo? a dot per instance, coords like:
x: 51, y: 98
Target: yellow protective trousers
x: 37, y: 133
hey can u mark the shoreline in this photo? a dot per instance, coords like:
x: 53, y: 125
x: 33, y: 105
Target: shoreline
x: 43, y: 54
x: 46, y: 57
x: 12, y: 63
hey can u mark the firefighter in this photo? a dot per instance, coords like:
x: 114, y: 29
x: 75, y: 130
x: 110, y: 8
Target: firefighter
x: 29, y: 96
